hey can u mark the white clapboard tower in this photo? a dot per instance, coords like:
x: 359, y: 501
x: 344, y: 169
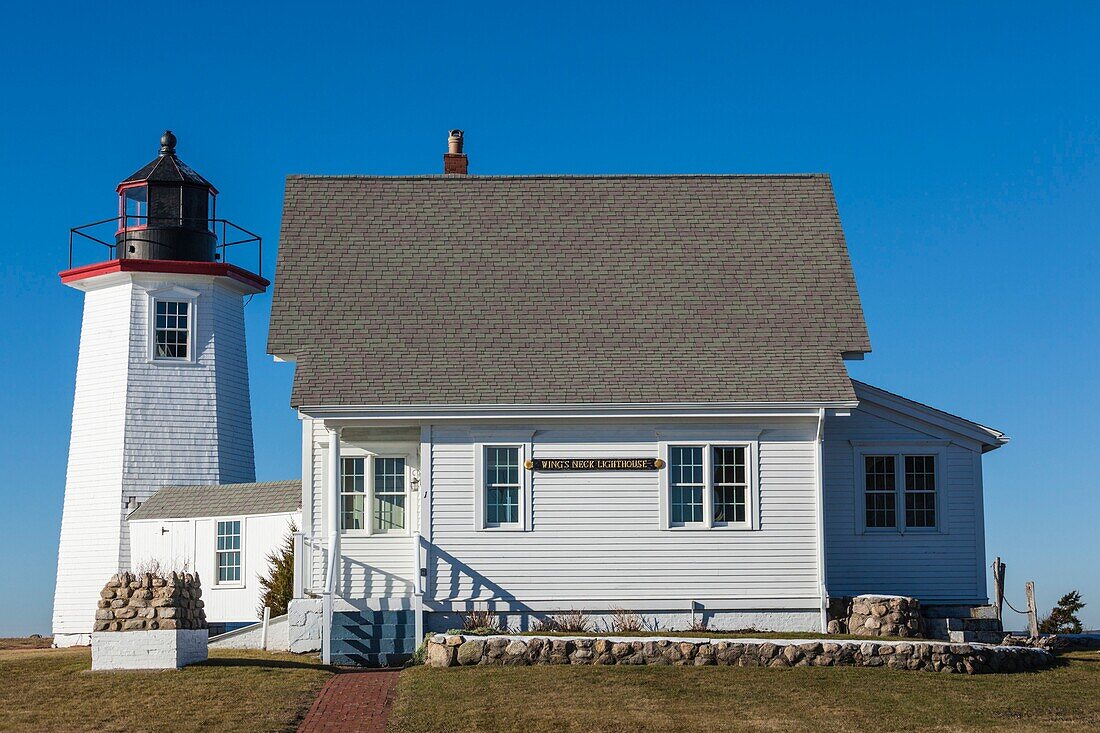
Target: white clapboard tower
x: 162, y: 375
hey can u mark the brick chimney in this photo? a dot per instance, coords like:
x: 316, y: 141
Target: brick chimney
x: 455, y: 162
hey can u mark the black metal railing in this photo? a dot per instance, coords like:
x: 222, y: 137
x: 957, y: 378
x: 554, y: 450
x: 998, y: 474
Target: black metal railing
x: 232, y: 235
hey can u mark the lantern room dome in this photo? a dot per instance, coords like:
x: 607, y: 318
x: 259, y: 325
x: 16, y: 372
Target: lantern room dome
x: 166, y: 211
x: 167, y: 168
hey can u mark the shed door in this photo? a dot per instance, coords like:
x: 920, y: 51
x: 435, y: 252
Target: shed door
x: 170, y: 544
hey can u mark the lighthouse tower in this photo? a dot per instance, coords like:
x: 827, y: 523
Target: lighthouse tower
x: 162, y: 374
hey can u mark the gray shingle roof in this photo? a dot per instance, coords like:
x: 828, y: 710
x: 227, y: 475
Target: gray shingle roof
x: 221, y: 500
x: 564, y: 289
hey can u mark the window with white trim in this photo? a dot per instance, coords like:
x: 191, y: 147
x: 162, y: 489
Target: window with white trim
x: 502, y: 486
x: 172, y: 330
x: 709, y: 485
x: 389, y: 494
x: 353, y: 492
x: 731, y: 484
x: 229, y: 552
x: 685, y: 484
x: 900, y: 491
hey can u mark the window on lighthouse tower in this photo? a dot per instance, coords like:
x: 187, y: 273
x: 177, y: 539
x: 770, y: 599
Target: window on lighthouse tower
x: 173, y: 329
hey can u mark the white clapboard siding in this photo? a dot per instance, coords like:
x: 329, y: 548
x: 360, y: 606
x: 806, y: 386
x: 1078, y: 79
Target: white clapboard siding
x: 944, y: 566
x: 595, y: 537
x: 92, y: 516
x: 139, y: 425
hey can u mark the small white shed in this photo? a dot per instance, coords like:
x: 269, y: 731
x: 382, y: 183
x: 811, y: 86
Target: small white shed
x: 224, y: 533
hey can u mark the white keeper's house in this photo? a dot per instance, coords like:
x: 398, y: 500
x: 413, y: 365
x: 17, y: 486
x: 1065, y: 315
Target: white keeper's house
x: 534, y: 394
x: 526, y: 394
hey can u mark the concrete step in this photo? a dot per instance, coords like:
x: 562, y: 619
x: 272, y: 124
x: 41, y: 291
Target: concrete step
x: 979, y: 637
x: 987, y: 612
x: 954, y: 629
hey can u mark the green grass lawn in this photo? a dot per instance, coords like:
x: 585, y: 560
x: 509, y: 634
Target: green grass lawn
x: 236, y: 690
x: 641, y: 699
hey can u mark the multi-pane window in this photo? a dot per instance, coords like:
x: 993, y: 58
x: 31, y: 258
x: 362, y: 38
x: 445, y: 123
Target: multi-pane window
x: 502, y: 485
x: 229, y: 551
x: 389, y: 494
x: 731, y: 487
x: 899, y: 491
x: 920, y: 491
x: 880, y: 491
x: 353, y: 492
x: 685, y: 483
x: 173, y: 328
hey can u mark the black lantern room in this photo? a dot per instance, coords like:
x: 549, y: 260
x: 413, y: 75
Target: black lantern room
x: 166, y: 211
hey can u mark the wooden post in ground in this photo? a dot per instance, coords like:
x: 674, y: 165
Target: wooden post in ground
x: 1032, y: 614
x: 999, y: 587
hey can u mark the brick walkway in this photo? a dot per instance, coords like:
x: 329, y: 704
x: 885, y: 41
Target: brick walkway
x: 353, y: 702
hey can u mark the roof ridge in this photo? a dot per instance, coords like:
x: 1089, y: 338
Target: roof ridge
x: 554, y: 176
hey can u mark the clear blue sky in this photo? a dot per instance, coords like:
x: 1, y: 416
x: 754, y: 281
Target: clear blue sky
x: 962, y: 139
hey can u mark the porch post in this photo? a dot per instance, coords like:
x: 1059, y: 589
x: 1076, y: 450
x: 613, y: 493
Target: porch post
x: 334, y: 504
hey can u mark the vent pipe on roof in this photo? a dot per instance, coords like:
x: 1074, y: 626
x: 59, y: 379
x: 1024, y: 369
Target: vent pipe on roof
x: 455, y: 162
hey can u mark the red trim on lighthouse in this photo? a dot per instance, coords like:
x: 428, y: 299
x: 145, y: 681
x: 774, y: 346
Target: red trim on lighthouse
x: 174, y: 267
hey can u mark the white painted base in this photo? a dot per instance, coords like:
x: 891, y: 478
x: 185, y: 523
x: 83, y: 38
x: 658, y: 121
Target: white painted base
x: 304, y: 625
x: 60, y: 641
x: 160, y: 649
x: 717, y: 620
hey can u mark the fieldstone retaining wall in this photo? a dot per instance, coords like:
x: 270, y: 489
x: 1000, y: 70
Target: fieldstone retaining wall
x: 148, y: 602
x: 872, y: 615
x: 452, y: 650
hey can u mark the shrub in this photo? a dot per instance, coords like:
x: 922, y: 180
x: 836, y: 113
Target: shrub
x: 278, y: 585
x: 571, y: 621
x: 481, y: 622
x: 1063, y: 617
x: 623, y: 620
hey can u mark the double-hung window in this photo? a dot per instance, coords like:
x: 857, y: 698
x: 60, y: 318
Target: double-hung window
x: 172, y: 333
x: 389, y: 494
x: 353, y: 492
x: 228, y: 558
x: 378, y: 483
x: 502, y: 485
x: 709, y: 485
x: 899, y: 490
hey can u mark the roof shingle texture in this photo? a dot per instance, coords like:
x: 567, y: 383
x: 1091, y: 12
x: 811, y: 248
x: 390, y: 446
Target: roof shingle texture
x: 564, y: 289
x: 221, y: 500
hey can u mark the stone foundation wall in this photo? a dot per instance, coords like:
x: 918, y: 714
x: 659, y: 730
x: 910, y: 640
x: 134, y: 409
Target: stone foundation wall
x: 447, y: 650
x: 870, y: 615
x: 148, y: 602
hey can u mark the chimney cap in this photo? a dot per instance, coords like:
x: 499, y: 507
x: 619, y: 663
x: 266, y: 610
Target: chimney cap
x: 454, y: 142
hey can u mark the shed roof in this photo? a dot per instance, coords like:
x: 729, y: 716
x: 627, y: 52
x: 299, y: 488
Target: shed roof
x: 221, y: 500
x: 564, y: 290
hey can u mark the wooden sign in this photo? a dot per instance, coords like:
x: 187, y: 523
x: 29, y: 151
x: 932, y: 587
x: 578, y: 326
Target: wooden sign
x: 595, y: 464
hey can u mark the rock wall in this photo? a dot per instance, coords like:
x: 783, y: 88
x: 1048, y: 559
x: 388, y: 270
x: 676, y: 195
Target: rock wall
x: 450, y: 650
x: 148, y: 602
x: 871, y: 615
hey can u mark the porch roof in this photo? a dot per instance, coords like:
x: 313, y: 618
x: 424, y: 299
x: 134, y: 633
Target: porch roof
x: 564, y: 289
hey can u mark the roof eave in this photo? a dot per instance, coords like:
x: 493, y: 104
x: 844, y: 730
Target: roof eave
x: 337, y: 412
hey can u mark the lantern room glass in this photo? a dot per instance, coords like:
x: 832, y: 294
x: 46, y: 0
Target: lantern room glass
x: 135, y: 207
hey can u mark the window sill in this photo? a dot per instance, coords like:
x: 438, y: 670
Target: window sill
x: 502, y: 528
x: 713, y: 528
x: 190, y: 363
x: 228, y: 586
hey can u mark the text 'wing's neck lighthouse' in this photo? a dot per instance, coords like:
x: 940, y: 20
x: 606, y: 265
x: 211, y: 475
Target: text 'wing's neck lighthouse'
x: 162, y: 375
